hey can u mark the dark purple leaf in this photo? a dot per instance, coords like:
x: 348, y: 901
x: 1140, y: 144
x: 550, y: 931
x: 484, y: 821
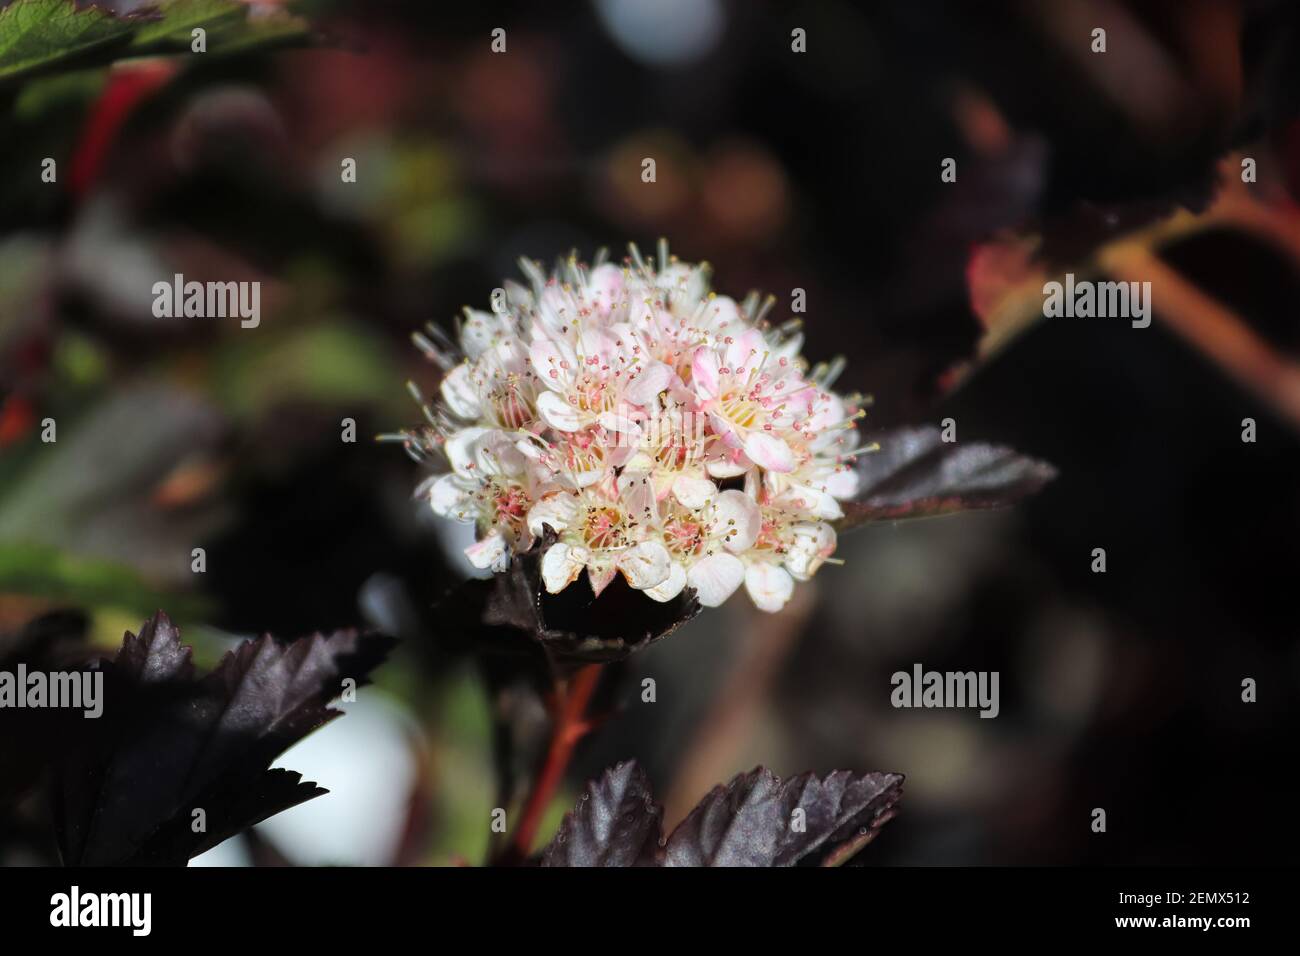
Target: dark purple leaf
x: 170, y: 743
x: 752, y: 821
x: 155, y: 655
x: 513, y: 613
x: 755, y: 820
x: 916, y: 474
x: 616, y: 823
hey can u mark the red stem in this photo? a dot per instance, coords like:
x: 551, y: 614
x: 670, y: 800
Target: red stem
x: 569, y: 728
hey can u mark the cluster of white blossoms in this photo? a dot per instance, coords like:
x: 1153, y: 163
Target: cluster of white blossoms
x: 642, y: 426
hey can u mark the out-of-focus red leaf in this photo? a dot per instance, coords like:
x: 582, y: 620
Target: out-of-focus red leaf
x: 128, y: 87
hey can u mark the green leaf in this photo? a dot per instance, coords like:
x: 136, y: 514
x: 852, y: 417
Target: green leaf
x: 41, y: 571
x: 178, y: 17
x: 39, y: 36
x: 228, y: 25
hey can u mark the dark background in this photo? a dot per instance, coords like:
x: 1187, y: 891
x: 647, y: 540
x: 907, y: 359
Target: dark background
x: 820, y: 171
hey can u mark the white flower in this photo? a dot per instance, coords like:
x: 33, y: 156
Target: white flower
x: 812, y: 544
x: 750, y: 406
x: 769, y: 585
x: 646, y: 427
x: 705, y: 544
x: 487, y: 487
x: 604, y: 530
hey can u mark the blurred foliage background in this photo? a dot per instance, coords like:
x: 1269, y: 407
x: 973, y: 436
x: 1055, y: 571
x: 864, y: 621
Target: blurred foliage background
x: 818, y: 171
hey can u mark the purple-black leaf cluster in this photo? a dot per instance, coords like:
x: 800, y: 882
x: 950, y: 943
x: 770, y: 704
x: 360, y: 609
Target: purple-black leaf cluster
x: 754, y: 820
x: 178, y: 761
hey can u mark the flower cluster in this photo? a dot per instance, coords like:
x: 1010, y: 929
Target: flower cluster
x: 643, y: 426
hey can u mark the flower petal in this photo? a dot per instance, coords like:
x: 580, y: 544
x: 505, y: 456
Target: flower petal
x: 768, y: 451
x: 594, y: 343
x: 736, y: 520
x: 722, y: 314
x: 450, y: 499
x: 825, y: 410
x: 716, y: 578
x: 586, y: 477
x: 459, y: 449
x: 842, y: 482
x: 600, y: 578
x: 671, y: 586
x: 647, y: 383
x: 645, y: 565
x: 725, y: 428
x: 496, y: 453
x: 693, y: 492
x: 769, y: 586
x: 492, y: 552
x: 725, y: 467
x: 813, y: 501
x: 556, y: 511
x: 479, y: 331
x: 745, y: 350
x: 558, y: 413
x: 605, y: 287
x: 814, y: 542
x: 553, y: 363
x: 460, y: 393
x: 561, y: 566
x: 704, y: 372
x: 625, y: 425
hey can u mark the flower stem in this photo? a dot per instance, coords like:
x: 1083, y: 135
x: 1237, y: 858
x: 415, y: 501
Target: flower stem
x: 569, y: 727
